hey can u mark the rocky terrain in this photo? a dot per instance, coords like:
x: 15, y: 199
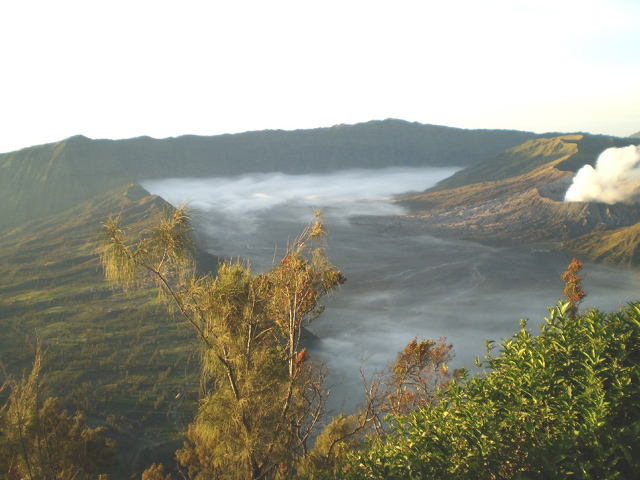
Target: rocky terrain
x: 517, y: 199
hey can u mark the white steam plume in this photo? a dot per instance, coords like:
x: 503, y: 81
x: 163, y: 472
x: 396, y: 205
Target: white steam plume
x: 615, y: 179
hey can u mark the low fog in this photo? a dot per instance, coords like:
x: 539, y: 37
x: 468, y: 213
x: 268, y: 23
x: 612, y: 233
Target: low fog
x: 397, y: 286
x: 245, y: 216
x: 615, y: 178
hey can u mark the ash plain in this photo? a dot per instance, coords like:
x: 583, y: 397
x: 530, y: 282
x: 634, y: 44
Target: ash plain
x: 398, y: 286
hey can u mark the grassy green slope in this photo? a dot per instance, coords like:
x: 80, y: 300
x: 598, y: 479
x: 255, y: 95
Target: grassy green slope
x: 44, y: 180
x: 120, y: 358
x: 48, y: 179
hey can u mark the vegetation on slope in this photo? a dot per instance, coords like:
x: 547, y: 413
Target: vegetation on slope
x: 619, y: 246
x: 515, y: 162
x: 38, y: 441
x: 119, y: 358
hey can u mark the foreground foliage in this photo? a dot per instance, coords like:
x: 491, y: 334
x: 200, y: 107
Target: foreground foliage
x: 40, y: 441
x: 573, y: 291
x: 262, y: 396
x: 120, y: 359
x: 411, y: 382
x: 562, y: 404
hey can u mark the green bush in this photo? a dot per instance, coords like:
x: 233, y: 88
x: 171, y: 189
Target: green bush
x: 562, y: 404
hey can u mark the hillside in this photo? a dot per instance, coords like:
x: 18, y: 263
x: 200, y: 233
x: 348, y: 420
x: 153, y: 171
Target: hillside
x: 47, y: 179
x: 520, y: 160
x: 620, y: 245
x: 570, y: 152
x: 516, y: 199
x: 119, y: 358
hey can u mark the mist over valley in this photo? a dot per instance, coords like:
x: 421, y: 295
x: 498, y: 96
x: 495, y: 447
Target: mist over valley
x: 399, y: 285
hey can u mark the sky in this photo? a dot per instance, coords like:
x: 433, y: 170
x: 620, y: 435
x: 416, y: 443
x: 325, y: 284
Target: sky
x: 121, y: 69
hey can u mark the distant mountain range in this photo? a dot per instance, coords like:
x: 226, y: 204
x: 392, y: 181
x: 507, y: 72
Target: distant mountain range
x: 43, y: 180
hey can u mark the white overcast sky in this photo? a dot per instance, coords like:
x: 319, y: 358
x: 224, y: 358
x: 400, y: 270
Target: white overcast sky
x: 120, y: 69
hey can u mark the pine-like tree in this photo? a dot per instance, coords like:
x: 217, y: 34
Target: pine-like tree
x: 265, y: 396
x: 38, y: 440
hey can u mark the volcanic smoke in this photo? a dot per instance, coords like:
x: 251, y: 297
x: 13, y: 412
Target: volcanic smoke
x: 615, y: 179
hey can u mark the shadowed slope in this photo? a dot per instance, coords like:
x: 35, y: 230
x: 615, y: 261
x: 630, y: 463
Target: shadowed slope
x: 120, y: 358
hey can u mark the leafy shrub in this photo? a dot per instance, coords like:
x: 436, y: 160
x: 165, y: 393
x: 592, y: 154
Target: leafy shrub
x: 564, y: 403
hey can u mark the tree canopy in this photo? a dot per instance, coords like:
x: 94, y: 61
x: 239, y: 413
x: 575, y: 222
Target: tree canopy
x: 38, y: 440
x: 564, y: 403
x: 264, y: 396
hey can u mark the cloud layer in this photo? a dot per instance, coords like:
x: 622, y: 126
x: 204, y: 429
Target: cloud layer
x: 345, y: 193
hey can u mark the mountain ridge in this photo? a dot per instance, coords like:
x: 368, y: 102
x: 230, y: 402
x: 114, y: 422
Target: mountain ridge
x: 47, y: 179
